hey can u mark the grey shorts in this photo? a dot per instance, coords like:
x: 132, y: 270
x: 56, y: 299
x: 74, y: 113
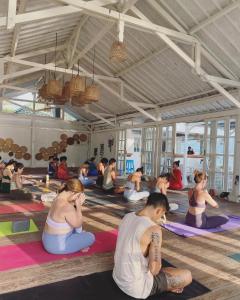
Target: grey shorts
x: 159, y: 284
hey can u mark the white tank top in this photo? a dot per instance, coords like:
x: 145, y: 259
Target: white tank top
x: 107, y: 179
x: 131, y: 271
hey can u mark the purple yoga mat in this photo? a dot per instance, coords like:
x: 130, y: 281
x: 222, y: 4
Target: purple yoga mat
x: 188, y: 231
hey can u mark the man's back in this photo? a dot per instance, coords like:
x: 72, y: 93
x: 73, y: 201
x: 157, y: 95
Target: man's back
x: 131, y: 271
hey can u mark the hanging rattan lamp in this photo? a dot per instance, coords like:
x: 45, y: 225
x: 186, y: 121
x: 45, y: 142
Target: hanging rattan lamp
x: 92, y: 92
x: 77, y: 101
x: 77, y: 84
x: 54, y: 86
x: 118, y: 51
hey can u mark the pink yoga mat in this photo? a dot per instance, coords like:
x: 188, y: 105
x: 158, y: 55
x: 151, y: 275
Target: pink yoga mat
x: 33, y: 253
x: 23, y: 207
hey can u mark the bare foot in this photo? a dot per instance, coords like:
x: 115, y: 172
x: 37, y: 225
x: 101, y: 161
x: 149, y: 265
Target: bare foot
x: 177, y: 291
x: 85, y: 249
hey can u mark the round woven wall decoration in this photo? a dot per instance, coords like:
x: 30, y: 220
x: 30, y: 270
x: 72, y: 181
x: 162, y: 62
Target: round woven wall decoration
x: 76, y: 137
x: 18, y: 155
x: 63, y: 137
x: 63, y: 144
x: 54, y: 144
x: 43, y: 150
x: 6, y: 148
x: 2, y: 142
x: 11, y: 154
x: 64, y: 150
x: 38, y: 156
x: 50, y: 151
x: 9, y: 141
x: 83, y: 137
x: 27, y: 156
x: 15, y: 148
x: 70, y: 141
x: 23, y: 149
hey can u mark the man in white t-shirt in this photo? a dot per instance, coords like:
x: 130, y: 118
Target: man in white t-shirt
x: 138, y: 268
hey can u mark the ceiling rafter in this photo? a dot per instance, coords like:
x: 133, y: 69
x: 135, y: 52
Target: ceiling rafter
x: 217, y: 15
x: 222, y: 68
x: 192, y: 63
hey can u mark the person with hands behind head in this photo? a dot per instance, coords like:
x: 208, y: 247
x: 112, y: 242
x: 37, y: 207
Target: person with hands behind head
x: 198, y: 197
x: 138, y: 270
x: 63, y: 232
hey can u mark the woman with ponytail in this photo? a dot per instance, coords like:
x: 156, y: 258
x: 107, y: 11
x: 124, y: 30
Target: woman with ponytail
x: 198, y: 197
x: 175, y: 181
x: 63, y: 232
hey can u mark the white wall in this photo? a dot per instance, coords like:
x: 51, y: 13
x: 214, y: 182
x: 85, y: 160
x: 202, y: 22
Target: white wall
x: 102, y: 138
x: 36, y: 132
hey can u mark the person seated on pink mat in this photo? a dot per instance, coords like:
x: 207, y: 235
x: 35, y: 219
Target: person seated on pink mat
x: 63, y: 232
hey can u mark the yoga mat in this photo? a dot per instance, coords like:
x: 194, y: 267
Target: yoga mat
x: 33, y: 253
x: 21, y: 207
x: 235, y: 256
x: 188, y: 231
x: 6, y: 228
x: 95, y: 286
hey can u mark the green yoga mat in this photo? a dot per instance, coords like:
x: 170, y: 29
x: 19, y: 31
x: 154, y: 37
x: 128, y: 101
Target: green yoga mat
x: 6, y: 228
x: 235, y: 256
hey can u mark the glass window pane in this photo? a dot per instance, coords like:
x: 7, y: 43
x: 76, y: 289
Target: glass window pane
x: 220, y: 145
x: 231, y: 145
x: 219, y: 181
x: 230, y: 164
x: 220, y: 128
x: 230, y: 182
x: 219, y: 163
x: 232, y: 128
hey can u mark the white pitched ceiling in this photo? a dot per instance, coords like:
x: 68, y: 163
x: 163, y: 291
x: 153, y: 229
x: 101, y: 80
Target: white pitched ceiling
x: 153, y: 73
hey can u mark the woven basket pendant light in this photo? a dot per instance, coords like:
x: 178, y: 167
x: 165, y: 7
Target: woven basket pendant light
x: 77, y: 84
x: 118, y: 51
x: 54, y: 87
x: 61, y: 100
x: 92, y: 92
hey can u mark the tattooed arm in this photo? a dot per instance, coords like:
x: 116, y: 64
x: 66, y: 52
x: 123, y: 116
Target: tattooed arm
x: 155, y: 260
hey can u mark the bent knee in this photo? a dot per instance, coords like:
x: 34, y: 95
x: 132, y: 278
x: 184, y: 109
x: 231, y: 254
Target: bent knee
x: 91, y: 238
x: 187, y: 275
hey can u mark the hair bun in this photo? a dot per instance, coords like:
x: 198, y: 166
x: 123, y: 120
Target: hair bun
x: 196, y: 172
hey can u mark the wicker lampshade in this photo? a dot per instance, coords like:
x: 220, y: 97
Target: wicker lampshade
x: 60, y: 100
x: 77, y: 101
x: 42, y: 92
x: 118, y: 52
x: 92, y: 93
x: 77, y: 85
x: 66, y: 90
x: 54, y: 88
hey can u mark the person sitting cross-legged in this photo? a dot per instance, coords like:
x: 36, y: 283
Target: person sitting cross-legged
x: 63, y: 232
x: 132, y: 191
x: 138, y: 270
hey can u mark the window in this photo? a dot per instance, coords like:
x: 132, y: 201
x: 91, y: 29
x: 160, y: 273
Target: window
x: 137, y: 143
x: 69, y: 117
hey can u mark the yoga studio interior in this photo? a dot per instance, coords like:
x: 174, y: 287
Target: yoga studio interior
x: 119, y: 149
